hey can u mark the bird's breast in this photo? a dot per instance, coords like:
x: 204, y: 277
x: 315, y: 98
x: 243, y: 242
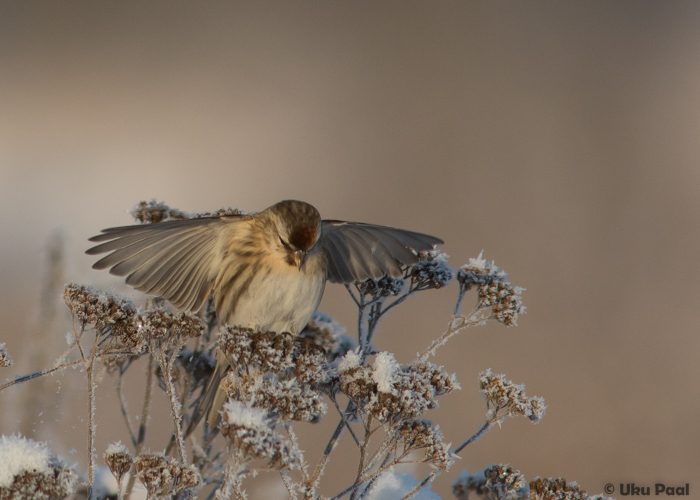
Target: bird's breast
x: 267, y: 293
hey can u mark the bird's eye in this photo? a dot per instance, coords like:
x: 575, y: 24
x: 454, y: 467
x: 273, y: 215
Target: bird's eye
x: 284, y: 244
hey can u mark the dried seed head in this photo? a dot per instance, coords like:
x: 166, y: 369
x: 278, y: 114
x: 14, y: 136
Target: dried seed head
x: 329, y: 335
x: 5, y: 359
x: 417, y: 434
x: 248, y: 431
x: 439, y: 380
x: 184, y: 477
x: 556, y: 489
x: 504, y: 482
x: 501, y: 394
x: 391, y: 392
x: 187, y: 325
x: 310, y: 363
x: 111, y: 315
x: 153, y: 471
x: 217, y: 213
x: 383, y: 287
x: 154, y: 324
x: 29, y: 471
x: 432, y: 270
x: 470, y: 483
x: 288, y: 399
x: 271, y: 351
x: 151, y: 212
x: 494, y: 289
x: 506, y: 301
x: 118, y: 459
x: 161, y: 325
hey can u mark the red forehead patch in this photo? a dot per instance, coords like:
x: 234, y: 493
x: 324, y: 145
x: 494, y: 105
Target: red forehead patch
x: 303, y: 237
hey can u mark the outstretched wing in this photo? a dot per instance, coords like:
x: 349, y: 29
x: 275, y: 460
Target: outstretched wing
x: 358, y: 251
x: 177, y: 260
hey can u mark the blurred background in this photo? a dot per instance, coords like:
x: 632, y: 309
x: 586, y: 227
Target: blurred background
x: 563, y: 139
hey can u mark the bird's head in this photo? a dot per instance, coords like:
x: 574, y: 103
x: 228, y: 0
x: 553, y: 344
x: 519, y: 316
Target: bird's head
x: 298, y: 227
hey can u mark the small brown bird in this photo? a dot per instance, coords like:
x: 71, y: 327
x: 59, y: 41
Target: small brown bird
x: 265, y: 271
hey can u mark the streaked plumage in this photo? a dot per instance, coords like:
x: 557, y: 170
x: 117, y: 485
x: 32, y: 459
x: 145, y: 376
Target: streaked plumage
x: 265, y: 271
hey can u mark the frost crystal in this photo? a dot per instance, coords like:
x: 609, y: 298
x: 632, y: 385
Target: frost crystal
x: 385, y: 370
x: 350, y: 361
x: 5, y: 359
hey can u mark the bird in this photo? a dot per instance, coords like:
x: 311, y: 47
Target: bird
x: 266, y: 271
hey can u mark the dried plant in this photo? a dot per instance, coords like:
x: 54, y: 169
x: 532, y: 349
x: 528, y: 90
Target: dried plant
x: 5, y: 359
x: 281, y: 381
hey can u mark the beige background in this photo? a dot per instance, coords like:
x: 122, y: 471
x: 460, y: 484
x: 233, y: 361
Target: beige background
x: 560, y: 137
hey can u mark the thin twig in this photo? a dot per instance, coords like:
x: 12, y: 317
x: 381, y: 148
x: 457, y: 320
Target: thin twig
x: 289, y: 484
x: 91, y: 418
x: 365, y: 444
x: 347, y: 287
x: 347, y: 424
x: 302, y: 463
x: 76, y: 341
x: 483, y: 430
x: 429, y: 479
x: 123, y: 406
x: 457, y: 324
x: 332, y: 443
x: 48, y: 371
x: 166, y: 367
x: 144, y: 422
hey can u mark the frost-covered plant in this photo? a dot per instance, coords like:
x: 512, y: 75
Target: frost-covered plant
x: 29, y: 471
x: 280, y: 381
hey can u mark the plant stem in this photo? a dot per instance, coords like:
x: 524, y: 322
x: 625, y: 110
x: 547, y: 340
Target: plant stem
x: 123, y: 406
x: 167, y: 367
x: 457, y: 324
x: 483, y: 430
x: 144, y: 422
x: 48, y: 371
x: 91, y: 418
x: 429, y: 479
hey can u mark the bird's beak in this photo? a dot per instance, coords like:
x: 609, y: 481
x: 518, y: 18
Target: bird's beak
x: 299, y: 256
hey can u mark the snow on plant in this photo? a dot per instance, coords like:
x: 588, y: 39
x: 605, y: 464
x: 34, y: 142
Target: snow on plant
x: 280, y: 381
x: 28, y: 470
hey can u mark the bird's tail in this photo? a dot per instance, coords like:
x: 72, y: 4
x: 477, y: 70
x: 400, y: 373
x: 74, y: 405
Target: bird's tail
x: 213, y: 399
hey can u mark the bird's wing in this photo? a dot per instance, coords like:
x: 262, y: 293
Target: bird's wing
x: 177, y: 260
x: 358, y: 251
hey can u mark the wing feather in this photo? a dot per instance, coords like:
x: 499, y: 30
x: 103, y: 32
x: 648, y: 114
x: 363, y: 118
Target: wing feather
x: 177, y: 260
x: 149, y: 276
x: 358, y: 251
